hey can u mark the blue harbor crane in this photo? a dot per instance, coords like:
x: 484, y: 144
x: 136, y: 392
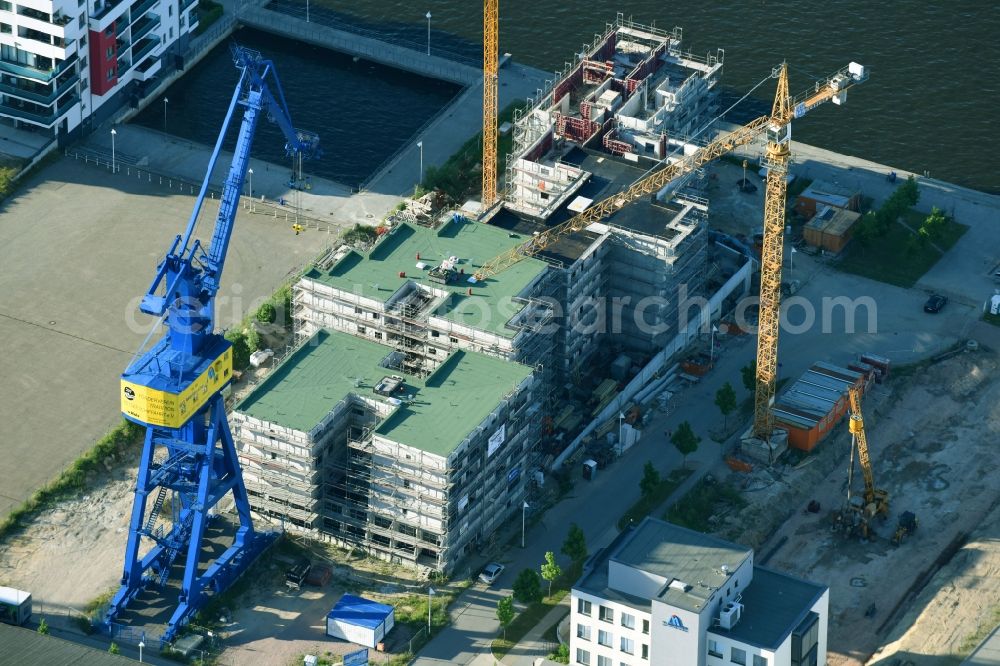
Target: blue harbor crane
x: 174, y: 389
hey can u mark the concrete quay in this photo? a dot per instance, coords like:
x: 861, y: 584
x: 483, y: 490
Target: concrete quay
x: 368, y: 48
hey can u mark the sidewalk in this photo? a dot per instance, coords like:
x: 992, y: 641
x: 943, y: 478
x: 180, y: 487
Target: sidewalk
x: 534, y: 644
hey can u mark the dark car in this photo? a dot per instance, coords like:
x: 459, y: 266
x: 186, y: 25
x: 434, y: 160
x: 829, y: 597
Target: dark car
x: 935, y: 303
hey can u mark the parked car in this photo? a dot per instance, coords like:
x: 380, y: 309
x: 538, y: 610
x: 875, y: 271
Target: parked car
x: 935, y: 303
x: 491, y: 572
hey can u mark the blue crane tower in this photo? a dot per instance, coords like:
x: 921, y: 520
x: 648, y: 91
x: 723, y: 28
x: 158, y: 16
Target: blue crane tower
x: 175, y: 388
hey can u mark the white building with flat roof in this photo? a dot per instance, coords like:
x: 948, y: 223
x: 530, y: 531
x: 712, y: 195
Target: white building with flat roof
x: 665, y: 595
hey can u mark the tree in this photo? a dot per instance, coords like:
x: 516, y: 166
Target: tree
x: 113, y: 649
x: 505, y: 613
x: 43, y: 627
x: 866, y: 230
x: 650, y: 479
x: 252, y: 338
x: 266, y: 313
x: 241, y: 352
x: 550, y: 569
x: 527, y: 587
x: 749, y: 374
x: 685, y: 440
x: 933, y: 226
x: 561, y: 654
x: 725, y: 400
x: 908, y: 194
x: 575, y: 545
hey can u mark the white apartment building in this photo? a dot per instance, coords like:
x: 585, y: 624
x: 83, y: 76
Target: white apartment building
x: 63, y: 61
x: 665, y: 595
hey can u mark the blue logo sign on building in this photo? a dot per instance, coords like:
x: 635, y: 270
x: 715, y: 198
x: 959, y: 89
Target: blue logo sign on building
x: 359, y: 658
x: 675, y: 623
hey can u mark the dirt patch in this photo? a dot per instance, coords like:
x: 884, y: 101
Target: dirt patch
x: 929, y: 435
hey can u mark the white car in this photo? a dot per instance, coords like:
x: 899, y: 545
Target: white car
x: 491, y: 573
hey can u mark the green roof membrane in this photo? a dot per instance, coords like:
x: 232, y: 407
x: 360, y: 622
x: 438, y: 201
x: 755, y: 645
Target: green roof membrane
x: 490, y: 306
x: 446, y: 406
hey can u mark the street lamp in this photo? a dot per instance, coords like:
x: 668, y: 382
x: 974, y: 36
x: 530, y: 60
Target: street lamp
x: 791, y: 262
x: 621, y: 444
x: 430, y: 593
x: 250, y: 174
x: 307, y: 11
x: 165, y: 100
x: 141, y: 645
x: 113, y: 162
x: 524, y: 510
x: 711, y: 347
x: 420, y: 145
x: 428, y: 33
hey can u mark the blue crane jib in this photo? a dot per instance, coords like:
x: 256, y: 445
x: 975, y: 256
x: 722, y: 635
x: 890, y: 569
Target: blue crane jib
x: 174, y: 389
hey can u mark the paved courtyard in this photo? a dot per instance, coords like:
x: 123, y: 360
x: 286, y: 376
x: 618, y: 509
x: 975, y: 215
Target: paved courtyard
x: 78, y: 248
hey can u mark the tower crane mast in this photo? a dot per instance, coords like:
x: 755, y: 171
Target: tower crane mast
x: 174, y: 389
x: 491, y: 55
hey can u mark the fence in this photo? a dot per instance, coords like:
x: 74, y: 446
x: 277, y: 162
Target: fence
x: 124, y: 165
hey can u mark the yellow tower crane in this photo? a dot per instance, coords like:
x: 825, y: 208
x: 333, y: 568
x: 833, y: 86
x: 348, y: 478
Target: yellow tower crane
x: 833, y: 88
x: 858, y: 511
x: 491, y: 56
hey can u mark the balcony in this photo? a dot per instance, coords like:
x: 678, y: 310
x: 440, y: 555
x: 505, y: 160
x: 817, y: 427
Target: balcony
x: 144, y: 48
x: 187, y: 3
x: 139, y: 8
x: 46, y: 117
x: 39, y: 94
x: 36, y: 73
x: 101, y: 12
x: 34, y: 14
x: 141, y: 28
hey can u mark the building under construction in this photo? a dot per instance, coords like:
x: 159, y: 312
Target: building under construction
x: 338, y: 443
x: 381, y: 449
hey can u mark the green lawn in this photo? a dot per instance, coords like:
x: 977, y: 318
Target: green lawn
x: 701, y: 503
x: 461, y: 176
x: 891, y: 259
x: 645, y: 505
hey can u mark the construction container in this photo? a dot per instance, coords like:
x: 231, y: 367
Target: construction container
x: 820, y: 194
x: 811, y: 407
x: 360, y: 620
x: 831, y: 228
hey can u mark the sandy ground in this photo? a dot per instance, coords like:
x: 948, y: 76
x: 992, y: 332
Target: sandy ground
x: 929, y: 436
x: 928, y: 633
x: 65, y: 557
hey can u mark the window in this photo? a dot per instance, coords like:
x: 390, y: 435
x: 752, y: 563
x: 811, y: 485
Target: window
x: 607, y: 614
x: 435, y: 334
x: 645, y: 627
x: 583, y: 631
x: 6, y: 28
x: 80, y: 3
x: 604, y: 638
x: 378, y: 335
x: 83, y: 39
x: 628, y: 621
x: 645, y: 651
x: 583, y: 607
x: 582, y: 657
x: 713, y: 649
x: 431, y: 351
x: 759, y: 660
x: 170, y: 10
x: 362, y: 330
x: 82, y: 21
x: 110, y: 52
x: 628, y: 645
x: 738, y: 656
x: 604, y: 661
x: 183, y: 20
x: 454, y: 341
x: 171, y: 33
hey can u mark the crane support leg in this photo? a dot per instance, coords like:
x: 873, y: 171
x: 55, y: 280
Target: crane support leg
x: 201, y: 468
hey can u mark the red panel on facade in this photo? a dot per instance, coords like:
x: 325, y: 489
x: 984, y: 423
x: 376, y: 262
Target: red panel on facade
x: 103, y: 60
